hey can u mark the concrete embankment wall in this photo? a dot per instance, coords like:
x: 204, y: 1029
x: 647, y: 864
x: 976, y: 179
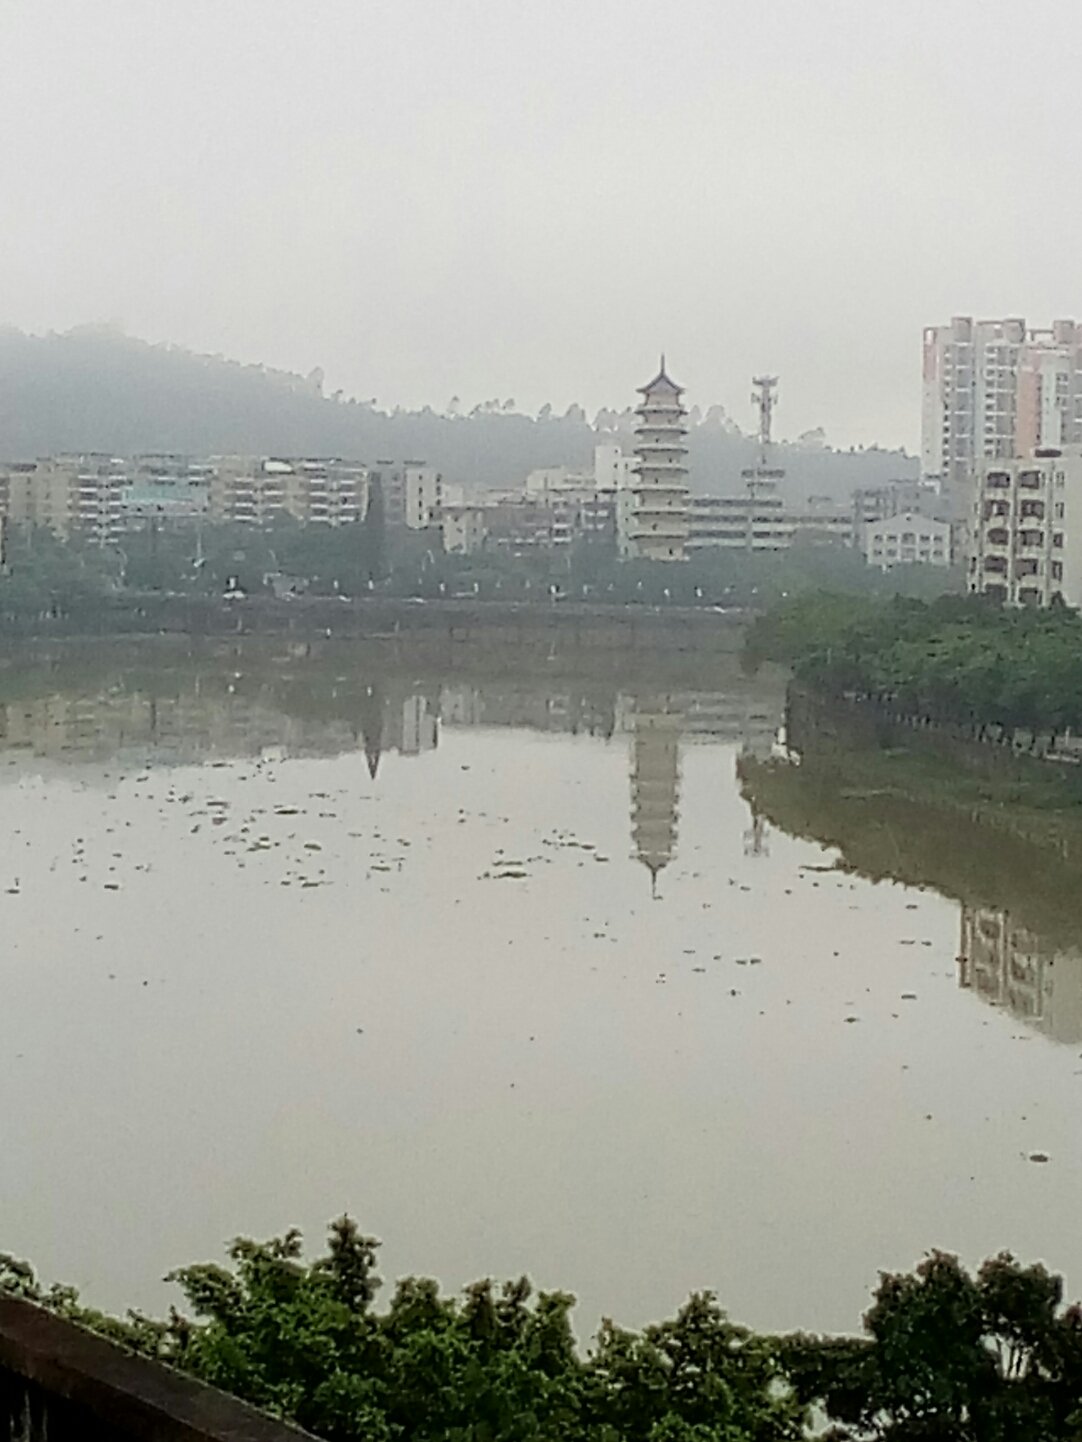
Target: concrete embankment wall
x: 841, y: 721
x: 436, y: 628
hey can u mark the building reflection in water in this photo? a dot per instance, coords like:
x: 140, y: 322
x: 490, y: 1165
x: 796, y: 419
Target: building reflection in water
x: 1011, y: 967
x: 271, y: 712
x: 656, y: 724
x: 221, y: 720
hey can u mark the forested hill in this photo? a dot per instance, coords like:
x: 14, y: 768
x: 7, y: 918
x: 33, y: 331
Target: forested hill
x: 96, y: 389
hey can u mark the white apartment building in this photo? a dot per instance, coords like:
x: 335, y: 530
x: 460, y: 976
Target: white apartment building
x: 908, y: 539
x: 412, y: 493
x: 993, y: 389
x: 1026, y: 528
x: 613, y: 470
x: 656, y: 519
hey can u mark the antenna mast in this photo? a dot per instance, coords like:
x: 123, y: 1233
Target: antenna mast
x: 764, y: 399
x: 761, y: 481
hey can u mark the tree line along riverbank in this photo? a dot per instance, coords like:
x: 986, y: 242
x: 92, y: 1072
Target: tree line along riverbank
x: 956, y: 662
x: 989, y: 1357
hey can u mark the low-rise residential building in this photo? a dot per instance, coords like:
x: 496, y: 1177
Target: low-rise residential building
x: 908, y: 539
x: 519, y: 528
x: 412, y: 493
x: 879, y: 503
x: 166, y: 489
x: 737, y: 523
x: 464, y: 529
x: 1026, y: 529
x: 259, y: 491
x: 101, y: 497
x: 70, y: 495
x: 583, y: 516
x: 749, y: 522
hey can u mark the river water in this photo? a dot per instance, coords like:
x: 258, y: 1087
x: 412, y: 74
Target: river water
x: 508, y: 968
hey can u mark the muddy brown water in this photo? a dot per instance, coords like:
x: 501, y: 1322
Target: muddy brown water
x: 510, y: 971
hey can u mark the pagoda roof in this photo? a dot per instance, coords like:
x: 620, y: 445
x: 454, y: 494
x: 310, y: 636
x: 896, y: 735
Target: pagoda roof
x: 661, y: 382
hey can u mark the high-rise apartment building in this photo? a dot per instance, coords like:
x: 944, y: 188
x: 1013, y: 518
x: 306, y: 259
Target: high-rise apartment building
x: 1026, y: 528
x: 993, y: 389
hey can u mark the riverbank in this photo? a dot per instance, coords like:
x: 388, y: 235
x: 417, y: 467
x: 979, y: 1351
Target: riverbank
x: 1005, y: 786
x: 987, y: 826
x: 438, y: 625
x: 958, y: 665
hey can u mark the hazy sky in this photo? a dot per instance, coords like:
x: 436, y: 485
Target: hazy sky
x: 531, y: 198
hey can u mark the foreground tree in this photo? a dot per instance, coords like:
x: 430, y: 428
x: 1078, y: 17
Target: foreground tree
x: 948, y: 1357
x: 952, y: 1358
x: 304, y: 1341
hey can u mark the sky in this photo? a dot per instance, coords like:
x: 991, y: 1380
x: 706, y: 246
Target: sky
x: 532, y: 198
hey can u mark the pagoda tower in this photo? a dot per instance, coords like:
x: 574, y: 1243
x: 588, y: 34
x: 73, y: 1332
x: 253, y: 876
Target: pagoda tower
x: 658, y: 525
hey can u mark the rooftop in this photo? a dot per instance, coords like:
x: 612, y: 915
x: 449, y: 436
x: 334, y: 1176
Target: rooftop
x: 662, y: 382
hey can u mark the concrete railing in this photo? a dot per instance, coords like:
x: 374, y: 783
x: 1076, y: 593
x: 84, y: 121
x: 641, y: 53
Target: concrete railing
x: 61, y: 1383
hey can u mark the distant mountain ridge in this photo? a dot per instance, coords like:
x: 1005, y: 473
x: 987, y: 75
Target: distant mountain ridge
x: 96, y: 389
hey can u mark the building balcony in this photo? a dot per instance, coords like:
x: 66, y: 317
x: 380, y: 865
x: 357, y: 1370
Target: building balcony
x: 652, y: 506
x: 662, y: 492
x: 658, y: 534
x: 671, y: 414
